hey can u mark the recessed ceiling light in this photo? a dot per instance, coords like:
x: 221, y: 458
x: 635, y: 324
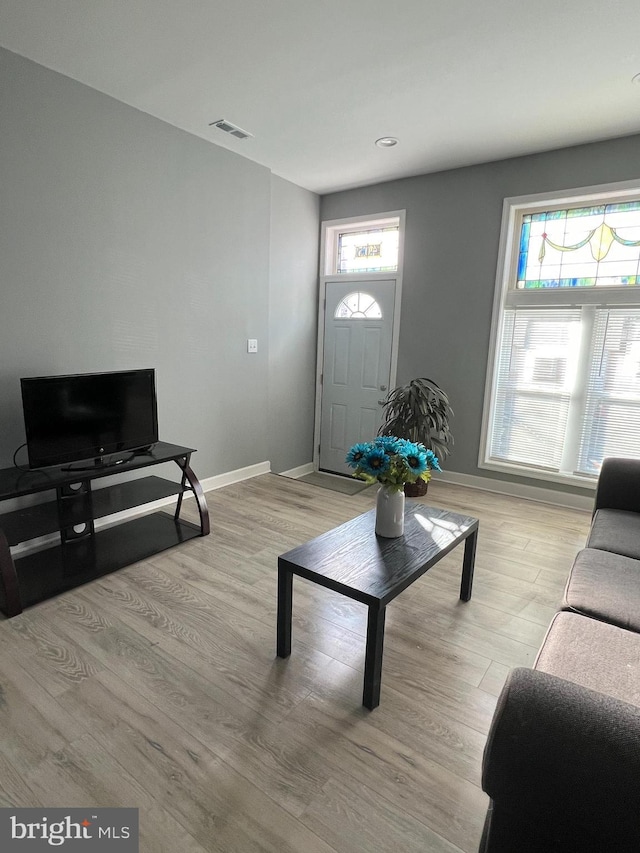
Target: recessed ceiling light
x: 386, y: 142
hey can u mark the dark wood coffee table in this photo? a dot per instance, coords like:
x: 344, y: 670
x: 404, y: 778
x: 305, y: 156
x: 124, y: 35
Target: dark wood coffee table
x: 352, y: 560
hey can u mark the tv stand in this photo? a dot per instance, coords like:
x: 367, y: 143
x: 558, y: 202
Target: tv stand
x: 99, y: 462
x: 81, y: 553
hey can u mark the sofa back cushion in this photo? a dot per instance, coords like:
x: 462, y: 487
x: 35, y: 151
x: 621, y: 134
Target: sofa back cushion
x: 616, y: 530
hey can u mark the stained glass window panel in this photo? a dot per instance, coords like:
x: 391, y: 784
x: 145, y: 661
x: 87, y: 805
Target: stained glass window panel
x: 595, y: 246
x: 374, y: 250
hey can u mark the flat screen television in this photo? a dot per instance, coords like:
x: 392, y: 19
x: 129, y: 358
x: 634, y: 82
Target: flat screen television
x: 89, y: 416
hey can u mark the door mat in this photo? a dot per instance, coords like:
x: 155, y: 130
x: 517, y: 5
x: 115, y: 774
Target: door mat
x: 345, y: 485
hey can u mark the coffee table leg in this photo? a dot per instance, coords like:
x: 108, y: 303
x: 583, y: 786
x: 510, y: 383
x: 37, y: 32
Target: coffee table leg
x: 285, y: 604
x: 373, y: 657
x: 467, y: 565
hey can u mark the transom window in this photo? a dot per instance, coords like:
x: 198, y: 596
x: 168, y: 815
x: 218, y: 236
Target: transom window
x: 564, y: 376
x: 373, y: 250
x: 363, y: 245
x: 358, y: 306
x: 580, y: 247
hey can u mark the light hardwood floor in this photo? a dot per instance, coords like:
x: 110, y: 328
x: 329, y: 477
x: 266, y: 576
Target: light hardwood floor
x: 158, y: 687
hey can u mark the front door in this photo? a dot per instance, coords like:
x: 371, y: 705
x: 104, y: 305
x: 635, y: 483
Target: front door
x: 358, y: 336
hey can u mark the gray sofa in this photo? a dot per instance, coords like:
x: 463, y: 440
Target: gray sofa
x: 562, y: 760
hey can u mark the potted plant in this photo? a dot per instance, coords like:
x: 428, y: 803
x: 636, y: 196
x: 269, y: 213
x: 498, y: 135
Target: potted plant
x: 419, y: 412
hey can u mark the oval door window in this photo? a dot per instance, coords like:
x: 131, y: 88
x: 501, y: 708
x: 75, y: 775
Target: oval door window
x: 358, y: 306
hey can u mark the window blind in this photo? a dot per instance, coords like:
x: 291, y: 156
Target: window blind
x: 611, y: 426
x: 534, y: 382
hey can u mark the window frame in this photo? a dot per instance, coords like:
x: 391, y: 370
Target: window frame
x: 332, y: 229
x: 506, y: 296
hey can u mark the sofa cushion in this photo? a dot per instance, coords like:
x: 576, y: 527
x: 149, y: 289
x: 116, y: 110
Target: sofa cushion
x: 594, y: 654
x: 616, y: 530
x: 605, y: 586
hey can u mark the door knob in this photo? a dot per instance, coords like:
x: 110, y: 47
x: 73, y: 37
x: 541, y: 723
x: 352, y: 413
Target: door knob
x: 381, y: 402
x: 383, y: 387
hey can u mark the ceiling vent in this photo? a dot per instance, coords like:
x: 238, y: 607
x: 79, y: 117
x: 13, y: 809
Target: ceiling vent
x: 232, y: 129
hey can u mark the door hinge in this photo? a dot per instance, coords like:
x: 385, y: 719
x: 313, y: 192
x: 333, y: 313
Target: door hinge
x: 322, y: 378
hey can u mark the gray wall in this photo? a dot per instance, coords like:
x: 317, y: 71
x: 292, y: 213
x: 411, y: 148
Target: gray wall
x: 125, y: 242
x: 293, y: 321
x: 452, y: 234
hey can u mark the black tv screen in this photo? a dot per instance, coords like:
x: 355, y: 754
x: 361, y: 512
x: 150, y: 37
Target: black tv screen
x: 88, y: 416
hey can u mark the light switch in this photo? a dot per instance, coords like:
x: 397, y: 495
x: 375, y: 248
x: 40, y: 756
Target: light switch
x: 252, y: 345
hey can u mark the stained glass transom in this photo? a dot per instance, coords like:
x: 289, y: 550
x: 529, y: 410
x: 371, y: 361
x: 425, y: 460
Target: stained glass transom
x: 358, y: 306
x: 373, y: 250
x: 595, y: 246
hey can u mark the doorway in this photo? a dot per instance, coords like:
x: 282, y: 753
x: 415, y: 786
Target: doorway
x: 361, y: 261
x: 357, y: 355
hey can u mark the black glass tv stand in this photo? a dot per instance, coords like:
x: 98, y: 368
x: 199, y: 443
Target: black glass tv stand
x: 80, y: 552
x: 98, y: 462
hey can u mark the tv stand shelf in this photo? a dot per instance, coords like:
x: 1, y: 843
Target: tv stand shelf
x: 81, y: 553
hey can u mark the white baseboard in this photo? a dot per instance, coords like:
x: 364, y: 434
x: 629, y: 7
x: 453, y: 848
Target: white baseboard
x: 518, y: 490
x: 237, y: 476
x: 300, y: 471
x: 487, y: 484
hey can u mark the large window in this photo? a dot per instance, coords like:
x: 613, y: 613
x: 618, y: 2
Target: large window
x: 564, y: 378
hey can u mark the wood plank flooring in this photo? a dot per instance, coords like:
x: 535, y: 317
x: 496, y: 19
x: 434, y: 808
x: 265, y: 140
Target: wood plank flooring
x: 158, y: 686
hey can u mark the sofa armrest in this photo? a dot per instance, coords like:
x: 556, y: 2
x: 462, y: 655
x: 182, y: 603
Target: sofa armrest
x: 619, y: 485
x: 562, y: 765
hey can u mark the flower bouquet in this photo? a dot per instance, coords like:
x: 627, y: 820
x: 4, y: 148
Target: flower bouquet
x: 392, y: 461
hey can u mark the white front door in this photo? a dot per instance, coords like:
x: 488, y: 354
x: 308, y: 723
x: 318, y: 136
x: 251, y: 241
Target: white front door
x: 356, y: 366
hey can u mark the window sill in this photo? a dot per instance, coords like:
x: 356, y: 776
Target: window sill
x: 582, y: 482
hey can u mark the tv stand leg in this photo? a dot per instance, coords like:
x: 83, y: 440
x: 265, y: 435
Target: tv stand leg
x: 9, y: 579
x: 196, y: 488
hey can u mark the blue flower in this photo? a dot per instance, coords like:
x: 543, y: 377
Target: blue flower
x: 391, y: 461
x: 375, y: 462
x: 389, y: 443
x: 432, y: 460
x: 416, y: 459
x: 357, y: 453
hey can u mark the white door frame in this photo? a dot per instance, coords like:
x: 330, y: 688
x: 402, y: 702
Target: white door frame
x: 328, y: 257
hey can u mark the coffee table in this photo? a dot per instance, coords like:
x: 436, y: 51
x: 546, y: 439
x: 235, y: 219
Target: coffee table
x: 353, y: 561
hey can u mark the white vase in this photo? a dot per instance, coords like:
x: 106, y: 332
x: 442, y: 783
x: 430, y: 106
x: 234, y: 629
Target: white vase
x: 389, y: 512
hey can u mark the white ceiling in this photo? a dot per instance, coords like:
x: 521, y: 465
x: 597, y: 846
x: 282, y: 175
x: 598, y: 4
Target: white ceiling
x: 318, y: 81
